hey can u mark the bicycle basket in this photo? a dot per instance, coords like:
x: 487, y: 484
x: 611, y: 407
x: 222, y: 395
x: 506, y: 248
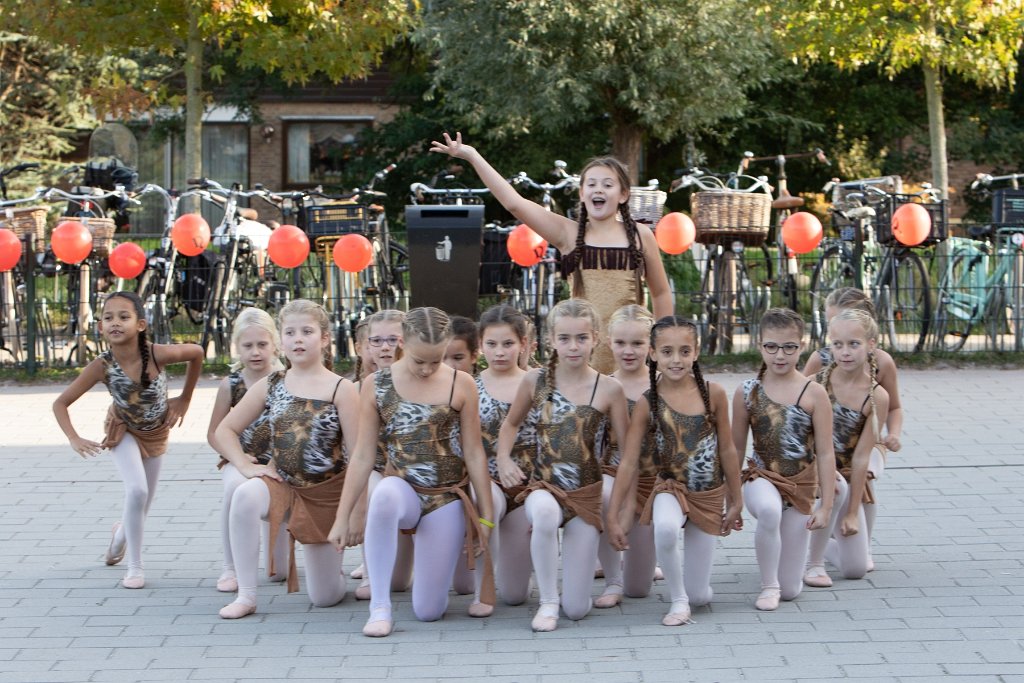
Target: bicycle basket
x: 335, y: 219
x: 937, y: 211
x: 646, y: 205
x: 102, y: 230
x: 731, y: 216
x: 28, y: 220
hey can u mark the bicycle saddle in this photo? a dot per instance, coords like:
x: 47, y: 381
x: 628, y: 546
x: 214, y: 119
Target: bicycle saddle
x: 980, y: 231
x: 788, y: 203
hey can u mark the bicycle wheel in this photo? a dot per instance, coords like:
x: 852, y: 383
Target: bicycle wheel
x: 959, y: 303
x: 213, y: 331
x: 834, y: 269
x: 151, y: 291
x: 751, y: 303
x: 904, y: 304
x: 707, y: 299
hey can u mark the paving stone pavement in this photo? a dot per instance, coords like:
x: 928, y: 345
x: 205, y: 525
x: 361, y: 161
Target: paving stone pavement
x: 946, y: 600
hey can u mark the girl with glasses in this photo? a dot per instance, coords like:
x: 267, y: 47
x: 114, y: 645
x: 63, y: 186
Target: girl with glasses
x: 790, y: 420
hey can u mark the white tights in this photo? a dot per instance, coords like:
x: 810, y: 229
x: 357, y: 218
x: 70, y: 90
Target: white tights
x: 469, y: 580
x: 579, y: 554
x: 140, y: 476
x: 781, y: 538
x: 630, y: 572
x: 250, y: 504
x: 689, y: 579
x: 876, y: 466
x: 232, y: 479
x: 512, y: 573
x: 401, y: 579
x: 850, y: 554
x: 437, y: 544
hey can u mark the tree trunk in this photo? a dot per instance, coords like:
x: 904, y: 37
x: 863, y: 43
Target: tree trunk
x: 627, y: 145
x: 936, y: 129
x: 193, y: 104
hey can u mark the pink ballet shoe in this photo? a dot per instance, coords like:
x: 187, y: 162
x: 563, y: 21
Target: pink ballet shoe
x: 599, y: 573
x: 543, y: 623
x: 658, y: 574
x: 871, y: 563
x: 608, y: 599
x: 379, y: 625
x: 817, y: 577
x: 115, y: 552
x: 359, y: 572
x: 237, y: 610
x: 134, y: 582
x: 480, y: 610
x: 679, y: 616
x: 227, y: 583
x: 362, y: 592
x: 768, y: 600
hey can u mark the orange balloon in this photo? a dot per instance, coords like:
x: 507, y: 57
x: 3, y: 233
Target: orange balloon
x: 10, y: 250
x: 525, y: 247
x: 352, y: 252
x: 802, y: 232
x: 675, y: 233
x: 71, y: 242
x: 190, y: 234
x: 288, y: 246
x: 127, y: 260
x: 911, y: 224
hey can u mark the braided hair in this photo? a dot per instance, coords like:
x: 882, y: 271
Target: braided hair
x: 850, y: 297
x: 636, y: 250
x: 427, y: 324
x: 567, y: 308
x: 317, y: 312
x: 143, y: 338
x: 705, y: 394
x: 870, y: 328
x: 360, y: 336
x: 780, y: 319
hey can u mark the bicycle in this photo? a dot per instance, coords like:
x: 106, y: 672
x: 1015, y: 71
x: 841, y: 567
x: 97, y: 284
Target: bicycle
x: 786, y: 265
x: 973, y: 291
x: 866, y: 256
x: 28, y: 221
x: 729, y: 218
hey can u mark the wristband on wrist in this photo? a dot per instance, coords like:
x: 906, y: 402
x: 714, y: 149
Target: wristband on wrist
x: 487, y: 523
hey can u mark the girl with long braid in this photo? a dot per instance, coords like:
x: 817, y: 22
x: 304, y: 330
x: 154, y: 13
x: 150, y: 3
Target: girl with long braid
x: 698, y: 479
x: 139, y: 420
x: 790, y: 419
x: 568, y: 404
x: 857, y: 402
x: 606, y: 255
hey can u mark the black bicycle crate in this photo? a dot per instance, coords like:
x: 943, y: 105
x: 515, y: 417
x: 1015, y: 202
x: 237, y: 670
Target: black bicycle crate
x: 937, y: 211
x: 1008, y: 206
x: 335, y: 219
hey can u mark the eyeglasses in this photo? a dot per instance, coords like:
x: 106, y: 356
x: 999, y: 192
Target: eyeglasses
x: 381, y: 341
x: 773, y: 348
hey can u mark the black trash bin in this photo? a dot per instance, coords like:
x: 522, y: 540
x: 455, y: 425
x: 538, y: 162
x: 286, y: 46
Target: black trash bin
x: 444, y: 256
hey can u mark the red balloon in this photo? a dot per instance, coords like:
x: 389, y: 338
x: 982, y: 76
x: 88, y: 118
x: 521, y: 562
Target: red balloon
x: 525, y: 247
x: 675, y: 233
x: 10, y: 250
x: 71, y: 242
x: 127, y: 260
x: 190, y: 234
x: 802, y: 232
x: 352, y: 252
x: 288, y: 246
x: 911, y: 224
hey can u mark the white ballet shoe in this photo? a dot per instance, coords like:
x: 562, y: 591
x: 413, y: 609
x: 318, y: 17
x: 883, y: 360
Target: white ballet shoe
x: 228, y: 582
x: 678, y: 616
x: 237, y: 610
x: 817, y: 577
x: 544, y: 621
x: 768, y: 600
x: 115, y: 551
x: 380, y: 624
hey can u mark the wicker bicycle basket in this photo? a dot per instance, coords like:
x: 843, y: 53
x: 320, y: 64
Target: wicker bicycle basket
x: 729, y: 216
x: 102, y: 230
x: 646, y: 205
x: 29, y: 220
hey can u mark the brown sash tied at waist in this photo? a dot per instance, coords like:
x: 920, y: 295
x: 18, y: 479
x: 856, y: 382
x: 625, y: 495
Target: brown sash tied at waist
x: 644, y: 490
x: 869, y: 496
x: 703, y: 508
x: 800, y: 490
x: 474, y: 534
x: 310, y: 511
x: 152, y: 443
x: 585, y: 501
x: 610, y: 470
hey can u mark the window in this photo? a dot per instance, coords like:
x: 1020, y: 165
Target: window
x: 320, y: 151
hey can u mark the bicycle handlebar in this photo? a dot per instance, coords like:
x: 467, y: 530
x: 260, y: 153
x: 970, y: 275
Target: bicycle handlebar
x: 986, y: 179
x: 423, y: 188
x: 567, y: 183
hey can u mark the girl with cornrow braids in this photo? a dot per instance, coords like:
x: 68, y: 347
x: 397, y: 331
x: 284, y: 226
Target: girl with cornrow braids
x: 698, y: 480
x: 139, y: 420
x: 790, y: 420
x: 568, y: 404
x: 857, y: 403
x: 606, y: 256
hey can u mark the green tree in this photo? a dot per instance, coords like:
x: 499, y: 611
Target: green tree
x: 296, y: 39
x: 977, y: 40
x: 653, y: 68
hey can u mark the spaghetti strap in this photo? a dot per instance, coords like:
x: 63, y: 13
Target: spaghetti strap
x: 152, y: 357
x: 335, y: 393
x: 451, y: 395
x: 802, y: 392
x: 594, y: 392
x: 866, y: 399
